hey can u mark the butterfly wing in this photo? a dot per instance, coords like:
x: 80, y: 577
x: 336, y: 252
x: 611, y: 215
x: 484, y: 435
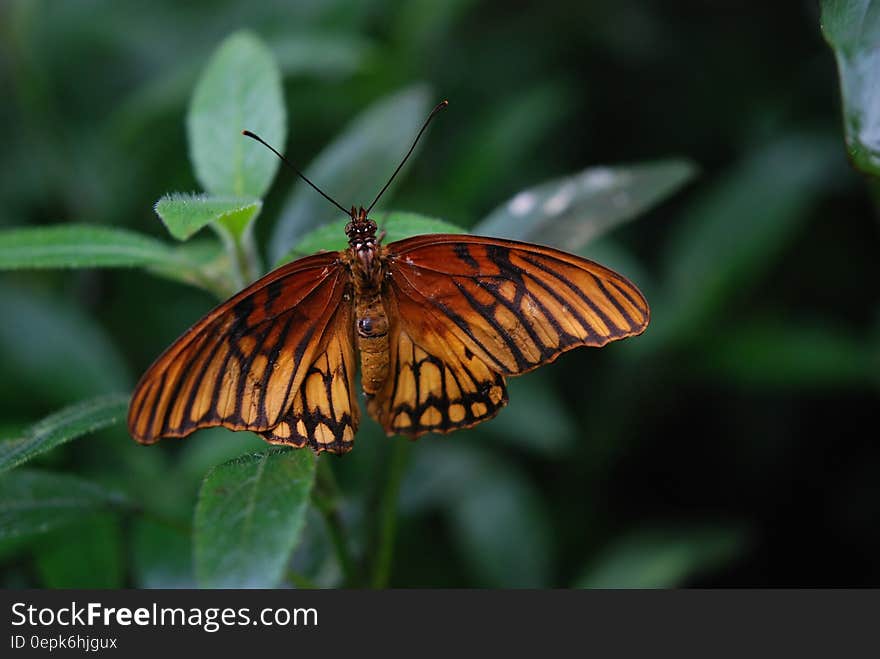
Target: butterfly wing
x: 435, y: 384
x: 484, y: 308
x: 324, y: 413
x: 243, y: 365
x: 516, y: 305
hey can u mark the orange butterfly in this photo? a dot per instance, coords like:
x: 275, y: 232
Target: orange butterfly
x: 439, y: 321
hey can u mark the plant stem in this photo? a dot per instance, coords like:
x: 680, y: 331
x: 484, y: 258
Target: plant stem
x: 242, y: 250
x: 387, y: 515
x: 248, y: 258
x: 326, y: 499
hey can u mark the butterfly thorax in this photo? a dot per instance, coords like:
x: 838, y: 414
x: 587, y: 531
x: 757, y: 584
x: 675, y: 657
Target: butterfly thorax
x: 366, y: 261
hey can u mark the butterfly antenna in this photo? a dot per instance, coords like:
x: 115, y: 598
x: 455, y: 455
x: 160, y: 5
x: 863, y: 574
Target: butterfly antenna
x: 259, y: 139
x: 440, y: 106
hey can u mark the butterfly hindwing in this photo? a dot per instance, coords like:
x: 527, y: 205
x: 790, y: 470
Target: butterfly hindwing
x: 324, y: 413
x: 242, y: 365
x: 515, y: 305
x: 435, y: 383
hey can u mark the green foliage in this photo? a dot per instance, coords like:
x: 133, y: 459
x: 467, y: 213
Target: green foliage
x: 796, y: 356
x: 763, y: 314
x: 87, y: 556
x: 55, y: 351
x: 162, y: 556
x: 552, y: 433
x: 662, y: 558
x: 185, y: 214
x: 733, y: 231
x: 80, y: 246
x: 573, y: 211
x: 240, y: 89
x: 63, y: 426
x: 852, y: 29
x: 249, y: 517
x: 35, y: 502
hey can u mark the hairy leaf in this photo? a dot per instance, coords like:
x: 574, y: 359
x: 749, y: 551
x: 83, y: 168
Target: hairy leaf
x: 249, y: 516
x: 184, y: 214
x: 63, y: 426
x: 80, y: 246
x: 239, y: 89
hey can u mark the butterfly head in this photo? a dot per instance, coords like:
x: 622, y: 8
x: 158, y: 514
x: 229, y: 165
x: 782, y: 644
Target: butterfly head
x: 361, y: 231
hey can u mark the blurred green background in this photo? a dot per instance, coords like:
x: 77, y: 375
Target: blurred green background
x: 734, y: 444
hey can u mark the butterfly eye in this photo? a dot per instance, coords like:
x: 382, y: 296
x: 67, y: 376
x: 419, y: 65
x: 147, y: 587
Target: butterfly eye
x: 365, y: 325
x: 348, y: 228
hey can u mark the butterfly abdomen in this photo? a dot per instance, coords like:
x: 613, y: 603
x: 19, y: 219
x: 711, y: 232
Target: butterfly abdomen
x: 371, y: 326
x: 371, y: 319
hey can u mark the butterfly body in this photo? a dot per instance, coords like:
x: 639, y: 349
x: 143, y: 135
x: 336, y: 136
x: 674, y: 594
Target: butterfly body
x: 366, y: 263
x: 438, y: 321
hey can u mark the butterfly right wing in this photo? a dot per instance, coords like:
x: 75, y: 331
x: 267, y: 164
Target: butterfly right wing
x: 244, y: 363
x: 516, y: 305
x: 466, y: 311
x: 435, y: 383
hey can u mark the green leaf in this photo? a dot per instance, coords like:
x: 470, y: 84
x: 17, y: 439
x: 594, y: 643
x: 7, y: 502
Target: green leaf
x: 249, y: 516
x: 79, y: 246
x: 497, y: 517
x: 397, y: 226
x: 49, y: 348
x: 87, y: 555
x: 299, y: 54
x: 734, y: 229
x: 35, y: 502
x: 92, y: 246
x: 792, y: 355
x: 161, y: 556
x: 239, y: 89
x: 63, y: 426
x: 354, y: 167
x: 572, y: 211
x: 663, y: 558
x: 852, y: 29
x: 184, y: 214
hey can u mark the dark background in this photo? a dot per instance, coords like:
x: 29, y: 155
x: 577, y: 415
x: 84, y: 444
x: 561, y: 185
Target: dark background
x: 736, y: 445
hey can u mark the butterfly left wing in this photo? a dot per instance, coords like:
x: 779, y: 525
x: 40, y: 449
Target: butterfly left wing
x: 324, y: 413
x: 242, y: 364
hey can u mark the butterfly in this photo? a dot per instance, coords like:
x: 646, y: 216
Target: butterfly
x: 435, y: 322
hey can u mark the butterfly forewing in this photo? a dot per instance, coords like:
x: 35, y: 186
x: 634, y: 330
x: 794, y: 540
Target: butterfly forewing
x: 242, y: 365
x: 514, y: 305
